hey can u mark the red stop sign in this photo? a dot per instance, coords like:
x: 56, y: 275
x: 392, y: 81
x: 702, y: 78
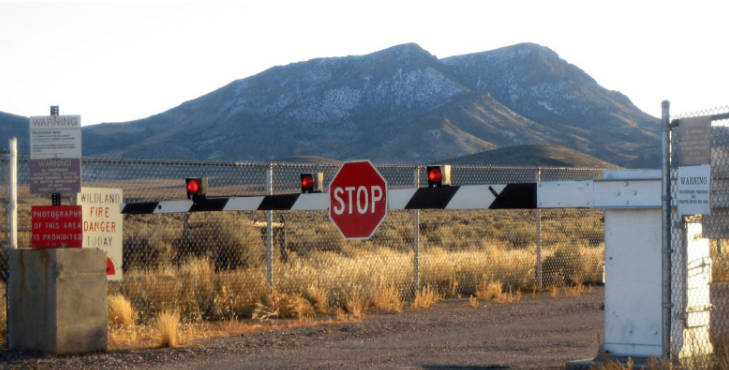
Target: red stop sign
x: 357, y: 200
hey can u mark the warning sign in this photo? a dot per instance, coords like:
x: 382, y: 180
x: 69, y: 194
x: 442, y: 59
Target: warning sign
x: 694, y: 190
x: 56, y: 227
x: 55, y: 154
x: 102, y: 225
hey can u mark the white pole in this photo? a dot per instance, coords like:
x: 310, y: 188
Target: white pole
x: 416, y: 238
x: 269, y: 229
x: 13, y: 193
x: 539, y: 236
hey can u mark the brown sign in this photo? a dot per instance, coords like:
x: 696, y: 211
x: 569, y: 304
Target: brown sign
x: 49, y: 176
x: 694, y: 141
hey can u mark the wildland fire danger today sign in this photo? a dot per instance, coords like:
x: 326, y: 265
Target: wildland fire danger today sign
x: 102, y: 225
x: 357, y: 200
x: 55, y: 154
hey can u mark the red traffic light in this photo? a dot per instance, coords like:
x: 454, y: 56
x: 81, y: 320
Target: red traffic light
x: 434, y: 174
x: 197, y: 187
x: 439, y: 176
x: 307, y: 181
x: 193, y: 186
x: 312, y: 182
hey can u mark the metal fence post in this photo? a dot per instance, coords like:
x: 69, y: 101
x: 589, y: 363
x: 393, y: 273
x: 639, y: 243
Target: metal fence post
x: 13, y: 193
x: 269, y: 229
x: 416, y: 238
x: 666, y: 227
x: 539, y: 236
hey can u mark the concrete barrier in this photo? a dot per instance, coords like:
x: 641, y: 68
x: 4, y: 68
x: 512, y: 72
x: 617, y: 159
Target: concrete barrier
x: 57, y: 300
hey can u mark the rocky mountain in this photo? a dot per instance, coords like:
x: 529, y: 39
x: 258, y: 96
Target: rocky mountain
x: 401, y: 104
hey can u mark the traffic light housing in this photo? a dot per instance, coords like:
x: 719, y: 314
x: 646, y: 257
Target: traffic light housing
x: 439, y: 176
x: 312, y: 182
x: 197, y: 187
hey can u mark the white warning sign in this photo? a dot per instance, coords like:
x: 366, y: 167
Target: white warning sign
x: 694, y: 190
x: 102, y: 225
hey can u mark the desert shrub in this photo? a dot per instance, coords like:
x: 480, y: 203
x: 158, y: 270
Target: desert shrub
x: 120, y: 312
x: 146, y: 252
x: 229, y: 241
x: 166, y: 324
x: 572, y: 264
x: 521, y: 237
x: 564, y: 267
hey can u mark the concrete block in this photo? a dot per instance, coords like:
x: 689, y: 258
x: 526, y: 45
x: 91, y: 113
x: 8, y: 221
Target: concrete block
x: 57, y: 300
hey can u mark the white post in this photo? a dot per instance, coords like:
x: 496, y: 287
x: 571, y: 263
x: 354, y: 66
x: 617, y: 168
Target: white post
x: 13, y: 194
x: 416, y: 238
x: 539, y: 236
x: 269, y: 228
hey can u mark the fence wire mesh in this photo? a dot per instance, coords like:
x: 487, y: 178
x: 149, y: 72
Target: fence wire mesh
x: 700, y: 258
x: 213, y: 265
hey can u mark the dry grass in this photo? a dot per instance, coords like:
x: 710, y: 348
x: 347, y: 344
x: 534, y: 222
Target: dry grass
x: 509, y: 297
x: 425, y: 298
x: 3, y: 315
x: 322, y: 282
x: 489, y: 290
x: 120, y: 312
x: 294, y: 306
x: 387, y: 299
x: 356, y: 307
x: 574, y: 291
x: 147, y: 336
x: 263, y: 313
x: 167, y: 325
x: 318, y: 299
x: 318, y: 274
x: 554, y: 291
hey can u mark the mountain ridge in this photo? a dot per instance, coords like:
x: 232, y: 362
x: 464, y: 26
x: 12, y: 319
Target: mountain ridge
x: 399, y: 104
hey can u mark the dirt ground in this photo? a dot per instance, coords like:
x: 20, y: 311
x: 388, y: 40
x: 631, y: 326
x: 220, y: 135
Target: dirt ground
x: 539, y: 332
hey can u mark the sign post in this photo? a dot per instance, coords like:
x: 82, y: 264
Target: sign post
x: 103, y: 224
x: 358, y: 200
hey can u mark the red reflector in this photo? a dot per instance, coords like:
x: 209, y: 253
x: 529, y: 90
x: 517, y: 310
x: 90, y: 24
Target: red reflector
x: 434, y: 175
x: 193, y: 187
x: 307, y: 182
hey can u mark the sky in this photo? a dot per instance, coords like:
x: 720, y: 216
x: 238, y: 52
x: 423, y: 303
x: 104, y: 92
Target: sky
x: 115, y: 61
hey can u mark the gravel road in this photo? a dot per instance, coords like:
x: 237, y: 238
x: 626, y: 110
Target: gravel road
x: 538, y: 332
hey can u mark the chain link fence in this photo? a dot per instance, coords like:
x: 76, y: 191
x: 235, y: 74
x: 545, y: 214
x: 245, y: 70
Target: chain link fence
x: 697, y: 261
x: 216, y: 266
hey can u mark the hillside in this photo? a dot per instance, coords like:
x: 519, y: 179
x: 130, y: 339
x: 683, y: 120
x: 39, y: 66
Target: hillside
x: 14, y: 126
x: 401, y: 104
x: 533, y: 156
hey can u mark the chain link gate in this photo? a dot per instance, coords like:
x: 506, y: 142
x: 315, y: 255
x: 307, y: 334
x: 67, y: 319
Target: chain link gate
x: 699, y: 318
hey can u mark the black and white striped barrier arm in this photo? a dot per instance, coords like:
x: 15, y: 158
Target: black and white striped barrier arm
x: 509, y: 196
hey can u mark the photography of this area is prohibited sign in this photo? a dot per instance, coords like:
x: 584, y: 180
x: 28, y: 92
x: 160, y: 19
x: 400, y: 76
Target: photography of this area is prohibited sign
x: 102, y: 225
x: 694, y: 190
